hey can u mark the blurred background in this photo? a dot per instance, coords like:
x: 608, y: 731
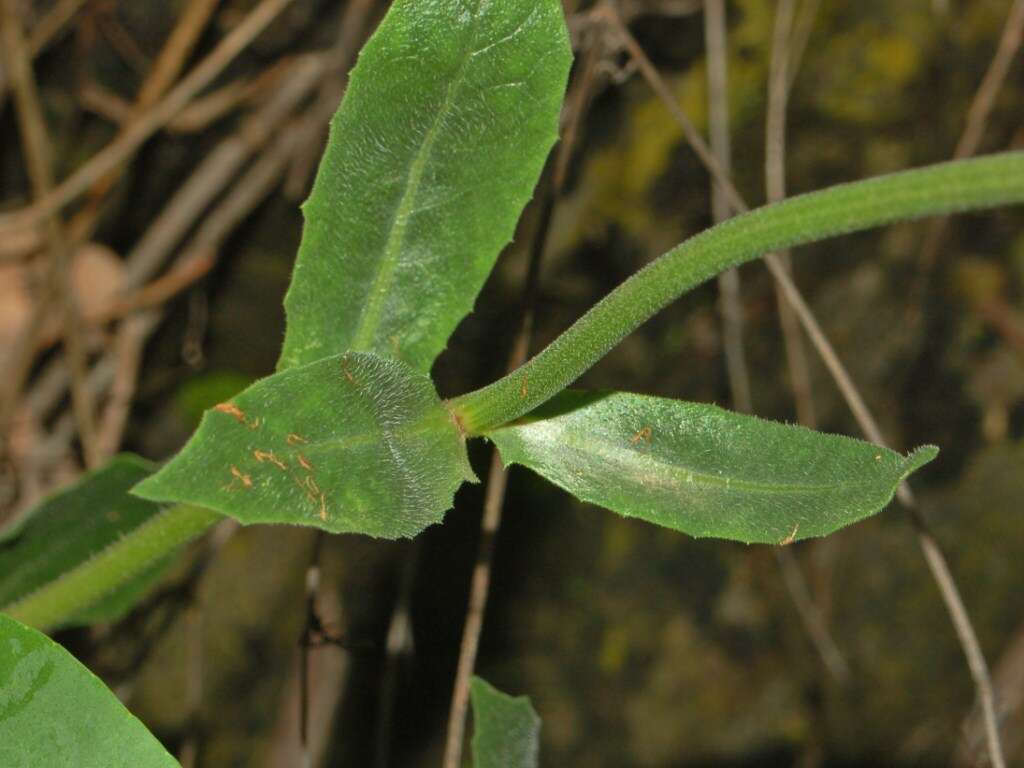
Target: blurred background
x: 174, y: 141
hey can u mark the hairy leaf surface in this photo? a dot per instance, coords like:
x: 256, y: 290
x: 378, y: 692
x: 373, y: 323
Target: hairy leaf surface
x: 351, y: 443
x: 436, y: 148
x: 506, y: 730
x: 703, y: 470
x: 55, y: 712
x: 74, y: 525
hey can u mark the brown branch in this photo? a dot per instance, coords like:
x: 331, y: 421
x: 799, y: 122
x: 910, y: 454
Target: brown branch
x: 200, y: 113
x: 162, y: 74
x: 970, y: 139
x: 127, y: 353
x: 327, y: 670
x: 189, y: 748
x: 785, y: 62
x: 357, y: 23
x: 118, y: 150
x: 1009, y: 683
x: 35, y: 141
x: 45, y: 32
x: 497, y: 482
x: 110, y: 157
x: 176, y: 50
x: 179, y: 215
x: 799, y: 37
x: 247, y: 193
x: 122, y: 43
x: 398, y: 646
x: 739, y: 377
x: 497, y: 476
x: 193, y: 198
x: 937, y: 563
x: 182, y: 275
x: 718, y: 125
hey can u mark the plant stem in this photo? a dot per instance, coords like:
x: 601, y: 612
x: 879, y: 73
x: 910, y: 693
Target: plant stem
x: 84, y: 585
x: 940, y: 189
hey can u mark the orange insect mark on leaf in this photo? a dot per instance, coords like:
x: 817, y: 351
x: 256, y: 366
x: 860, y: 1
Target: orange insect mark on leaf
x: 304, y: 462
x: 348, y: 374
x: 312, y: 489
x: 262, y: 456
x: 323, y: 507
x: 231, y: 410
x: 524, y: 387
x: 237, y: 414
x: 294, y: 439
x: 791, y: 538
x: 644, y: 434
x: 240, y: 476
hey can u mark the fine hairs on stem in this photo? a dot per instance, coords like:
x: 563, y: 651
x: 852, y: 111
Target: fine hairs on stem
x: 934, y: 190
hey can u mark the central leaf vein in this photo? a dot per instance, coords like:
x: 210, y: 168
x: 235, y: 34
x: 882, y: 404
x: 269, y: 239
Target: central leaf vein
x: 373, y: 306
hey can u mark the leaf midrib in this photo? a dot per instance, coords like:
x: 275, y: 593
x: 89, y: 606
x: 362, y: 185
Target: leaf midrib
x: 373, y: 306
x: 612, y: 452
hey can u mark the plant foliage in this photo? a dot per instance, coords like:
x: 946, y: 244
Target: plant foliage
x: 703, y: 470
x: 506, y: 729
x: 437, y: 147
x: 55, y: 712
x: 432, y: 155
x: 74, y: 526
x: 351, y: 443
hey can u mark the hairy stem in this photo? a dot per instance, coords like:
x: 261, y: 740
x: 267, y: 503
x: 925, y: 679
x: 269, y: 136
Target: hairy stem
x: 983, y: 182
x: 89, y: 582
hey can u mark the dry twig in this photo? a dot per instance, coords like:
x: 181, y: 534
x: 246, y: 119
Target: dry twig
x: 117, y: 151
x: 739, y: 377
x: 977, y: 119
x: 497, y: 477
x: 45, y: 32
x: 784, y: 64
x: 718, y: 124
x: 35, y: 140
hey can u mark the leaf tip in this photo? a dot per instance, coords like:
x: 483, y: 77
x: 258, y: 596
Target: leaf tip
x: 917, y: 458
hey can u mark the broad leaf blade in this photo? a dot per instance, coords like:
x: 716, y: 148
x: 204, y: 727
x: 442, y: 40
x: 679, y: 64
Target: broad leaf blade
x: 703, y: 470
x: 435, y: 150
x: 55, y: 712
x: 74, y: 525
x: 352, y: 443
x: 505, y: 728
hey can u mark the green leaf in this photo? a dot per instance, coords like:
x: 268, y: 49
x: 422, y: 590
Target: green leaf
x: 505, y: 728
x: 703, y: 470
x: 351, y: 443
x: 55, y: 712
x: 73, y: 526
x: 436, y: 148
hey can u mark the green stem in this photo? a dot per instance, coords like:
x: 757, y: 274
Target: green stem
x: 87, y: 583
x: 983, y: 182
